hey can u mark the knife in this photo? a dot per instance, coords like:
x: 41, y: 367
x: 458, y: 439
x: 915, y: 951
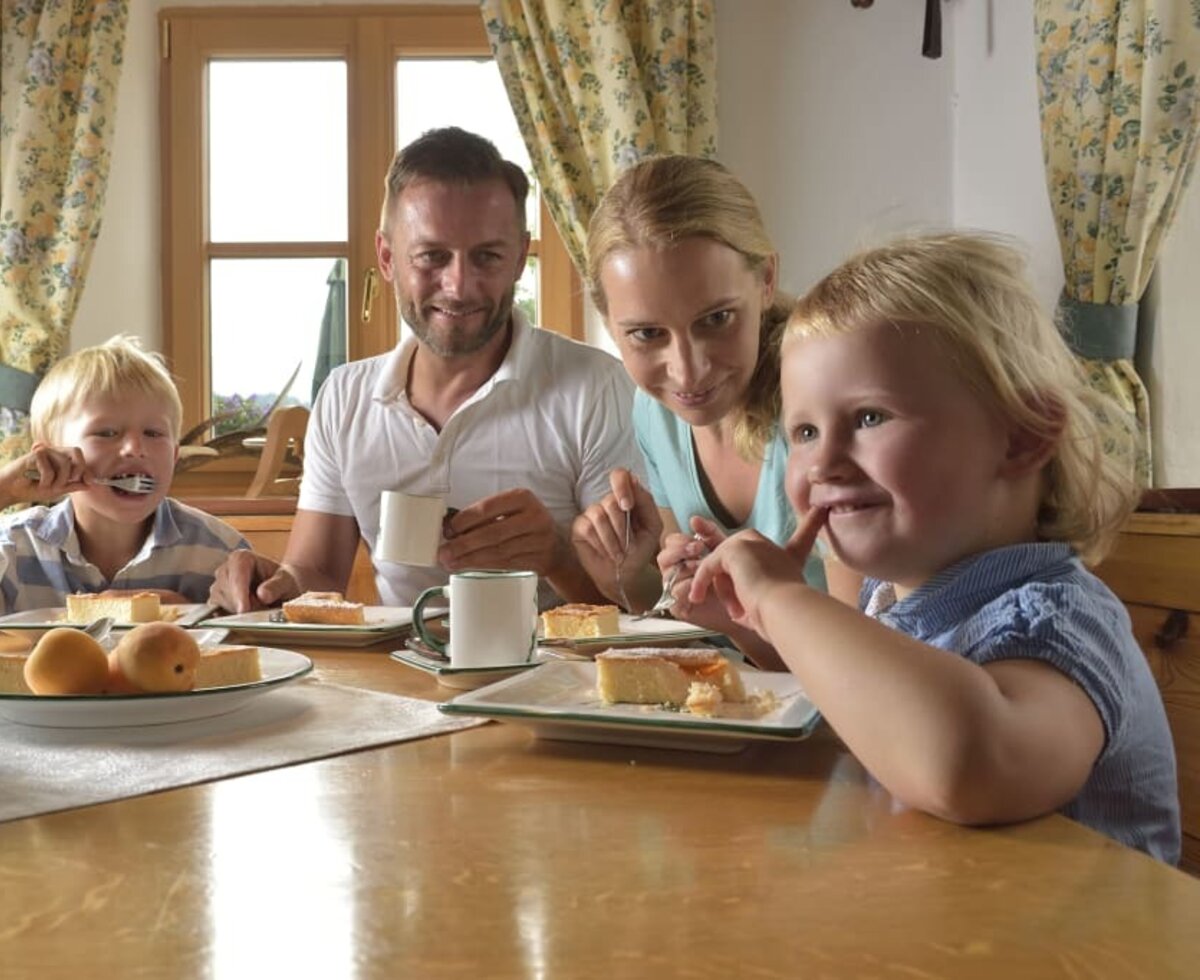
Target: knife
x: 197, y: 616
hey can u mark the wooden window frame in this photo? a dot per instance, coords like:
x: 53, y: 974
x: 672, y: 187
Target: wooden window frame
x: 369, y: 40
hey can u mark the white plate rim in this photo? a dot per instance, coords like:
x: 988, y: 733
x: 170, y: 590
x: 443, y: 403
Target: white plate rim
x: 287, y: 666
x: 630, y: 634
x: 23, y: 620
x: 400, y: 617
x: 674, y: 723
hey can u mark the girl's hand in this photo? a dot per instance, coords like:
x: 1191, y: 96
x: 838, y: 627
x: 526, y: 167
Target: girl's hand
x: 598, y: 534
x: 742, y: 570
x: 59, y: 472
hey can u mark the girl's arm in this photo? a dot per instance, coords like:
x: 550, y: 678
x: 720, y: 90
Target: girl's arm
x: 1008, y: 741
x: 971, y: 744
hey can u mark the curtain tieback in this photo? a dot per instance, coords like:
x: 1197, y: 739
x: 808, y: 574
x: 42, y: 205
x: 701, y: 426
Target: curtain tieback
x: 1099, y: 331
x: 17, y: 388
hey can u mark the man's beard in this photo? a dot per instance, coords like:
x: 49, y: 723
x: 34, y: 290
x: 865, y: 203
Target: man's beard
x: 459, y: 340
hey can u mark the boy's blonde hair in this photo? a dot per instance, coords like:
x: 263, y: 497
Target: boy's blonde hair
x: 664, y: 200
x: 117, y: 367
x: 972, y: 290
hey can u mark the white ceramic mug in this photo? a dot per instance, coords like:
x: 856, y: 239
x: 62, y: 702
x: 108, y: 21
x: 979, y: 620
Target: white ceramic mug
x: 410, y: 527
x: 493, y: 618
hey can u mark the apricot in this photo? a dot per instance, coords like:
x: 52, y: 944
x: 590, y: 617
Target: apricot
x: 158, y: 657
x: 66, y: 661
x: 117, y: 682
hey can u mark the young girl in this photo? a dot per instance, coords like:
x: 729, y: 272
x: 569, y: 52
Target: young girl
x: 945, y: 443
x: 682, y: 269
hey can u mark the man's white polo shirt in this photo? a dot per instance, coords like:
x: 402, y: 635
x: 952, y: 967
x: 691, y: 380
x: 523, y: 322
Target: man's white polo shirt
x: 553, y: 419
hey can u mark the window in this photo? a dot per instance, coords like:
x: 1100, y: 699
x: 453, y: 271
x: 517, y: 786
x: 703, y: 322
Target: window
x: 277, y: 130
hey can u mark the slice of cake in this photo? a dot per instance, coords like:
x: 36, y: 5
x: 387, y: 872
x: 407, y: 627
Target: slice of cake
x: 141, y: 607
x: 223, y: 666
x: 14, y: 651
x: 651, y: 675
x: 579, y: 620
x: 327, y: 608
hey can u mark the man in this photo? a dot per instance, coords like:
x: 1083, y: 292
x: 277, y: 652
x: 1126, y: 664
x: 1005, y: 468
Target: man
x: 517, y: 428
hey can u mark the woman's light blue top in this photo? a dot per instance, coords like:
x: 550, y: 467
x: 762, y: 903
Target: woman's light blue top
x: 666, y: 444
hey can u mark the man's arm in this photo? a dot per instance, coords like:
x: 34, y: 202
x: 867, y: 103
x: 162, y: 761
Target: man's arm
x: 319, y: 558
x: 320, y: 551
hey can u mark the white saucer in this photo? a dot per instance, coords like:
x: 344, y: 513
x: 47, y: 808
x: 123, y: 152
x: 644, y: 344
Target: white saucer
x: 469, y: 678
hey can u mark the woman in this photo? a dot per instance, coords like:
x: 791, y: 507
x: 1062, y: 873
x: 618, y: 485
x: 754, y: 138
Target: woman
x: 682, y: 269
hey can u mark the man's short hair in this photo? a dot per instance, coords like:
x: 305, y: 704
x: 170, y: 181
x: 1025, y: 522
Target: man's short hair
x: 454, y: 156
x: 112, y: 369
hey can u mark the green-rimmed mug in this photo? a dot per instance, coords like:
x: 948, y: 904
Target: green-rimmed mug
x: 493, y: 618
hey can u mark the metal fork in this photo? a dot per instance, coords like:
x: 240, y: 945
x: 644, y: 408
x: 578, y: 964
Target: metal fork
x: 621, y: 561
x: 666, y: 600
x: 136, y: 483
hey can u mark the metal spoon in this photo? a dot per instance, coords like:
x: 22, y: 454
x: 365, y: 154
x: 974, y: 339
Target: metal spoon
x: 98, y: 629
x: 621, y: 585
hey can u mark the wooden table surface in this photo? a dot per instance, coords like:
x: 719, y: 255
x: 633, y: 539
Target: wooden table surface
x: 488, y: 853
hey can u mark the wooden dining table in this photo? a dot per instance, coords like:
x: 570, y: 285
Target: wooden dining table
x: 488, y: 853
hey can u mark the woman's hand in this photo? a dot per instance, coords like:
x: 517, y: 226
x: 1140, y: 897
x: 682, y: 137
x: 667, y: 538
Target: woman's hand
x: 598, y: 535
x: 743, y: 569
x: 684, y: 551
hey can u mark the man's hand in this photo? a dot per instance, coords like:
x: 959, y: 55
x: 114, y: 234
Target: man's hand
x: 509, y: 531
x: 248, y: 581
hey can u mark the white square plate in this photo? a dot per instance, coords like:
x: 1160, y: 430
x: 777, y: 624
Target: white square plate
x: 559, y: 700
x: 382, y: 623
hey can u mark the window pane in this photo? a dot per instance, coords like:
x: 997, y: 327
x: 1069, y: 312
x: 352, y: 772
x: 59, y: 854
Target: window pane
x: 277, y: 151
x: 268, y: 316
x: 527, y: 292
x: 464, y: 92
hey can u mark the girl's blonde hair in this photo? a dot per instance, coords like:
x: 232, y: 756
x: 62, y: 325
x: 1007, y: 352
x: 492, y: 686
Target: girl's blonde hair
x: 112, y: 369
x: 664, y: 200
x: 972, y: 290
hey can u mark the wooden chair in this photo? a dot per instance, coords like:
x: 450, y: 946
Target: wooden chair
x: 1155, y: 570
x: 285, y: 430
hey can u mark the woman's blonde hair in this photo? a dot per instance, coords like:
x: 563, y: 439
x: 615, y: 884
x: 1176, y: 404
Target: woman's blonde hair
x: 112, y: 369
x: 664, y: 200
x: 972, y: 290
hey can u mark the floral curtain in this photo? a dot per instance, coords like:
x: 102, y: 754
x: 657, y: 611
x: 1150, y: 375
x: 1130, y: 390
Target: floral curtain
x: 596, y: 86
x: 59, y: 65
x: 1117, y: 88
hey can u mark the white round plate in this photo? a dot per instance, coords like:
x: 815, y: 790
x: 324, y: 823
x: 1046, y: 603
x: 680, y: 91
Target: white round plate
x: 116, y: 711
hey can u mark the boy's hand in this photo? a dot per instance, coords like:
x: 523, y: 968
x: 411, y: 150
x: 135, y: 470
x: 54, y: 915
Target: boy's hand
x: 249, y: 581
x: 59, y: 472
x: 742, y: 570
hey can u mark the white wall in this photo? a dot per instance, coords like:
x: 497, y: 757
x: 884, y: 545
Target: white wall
x: 844, y: 132
x: 836, y: 123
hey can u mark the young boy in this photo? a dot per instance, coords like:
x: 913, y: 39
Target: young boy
x: 104, y: 412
